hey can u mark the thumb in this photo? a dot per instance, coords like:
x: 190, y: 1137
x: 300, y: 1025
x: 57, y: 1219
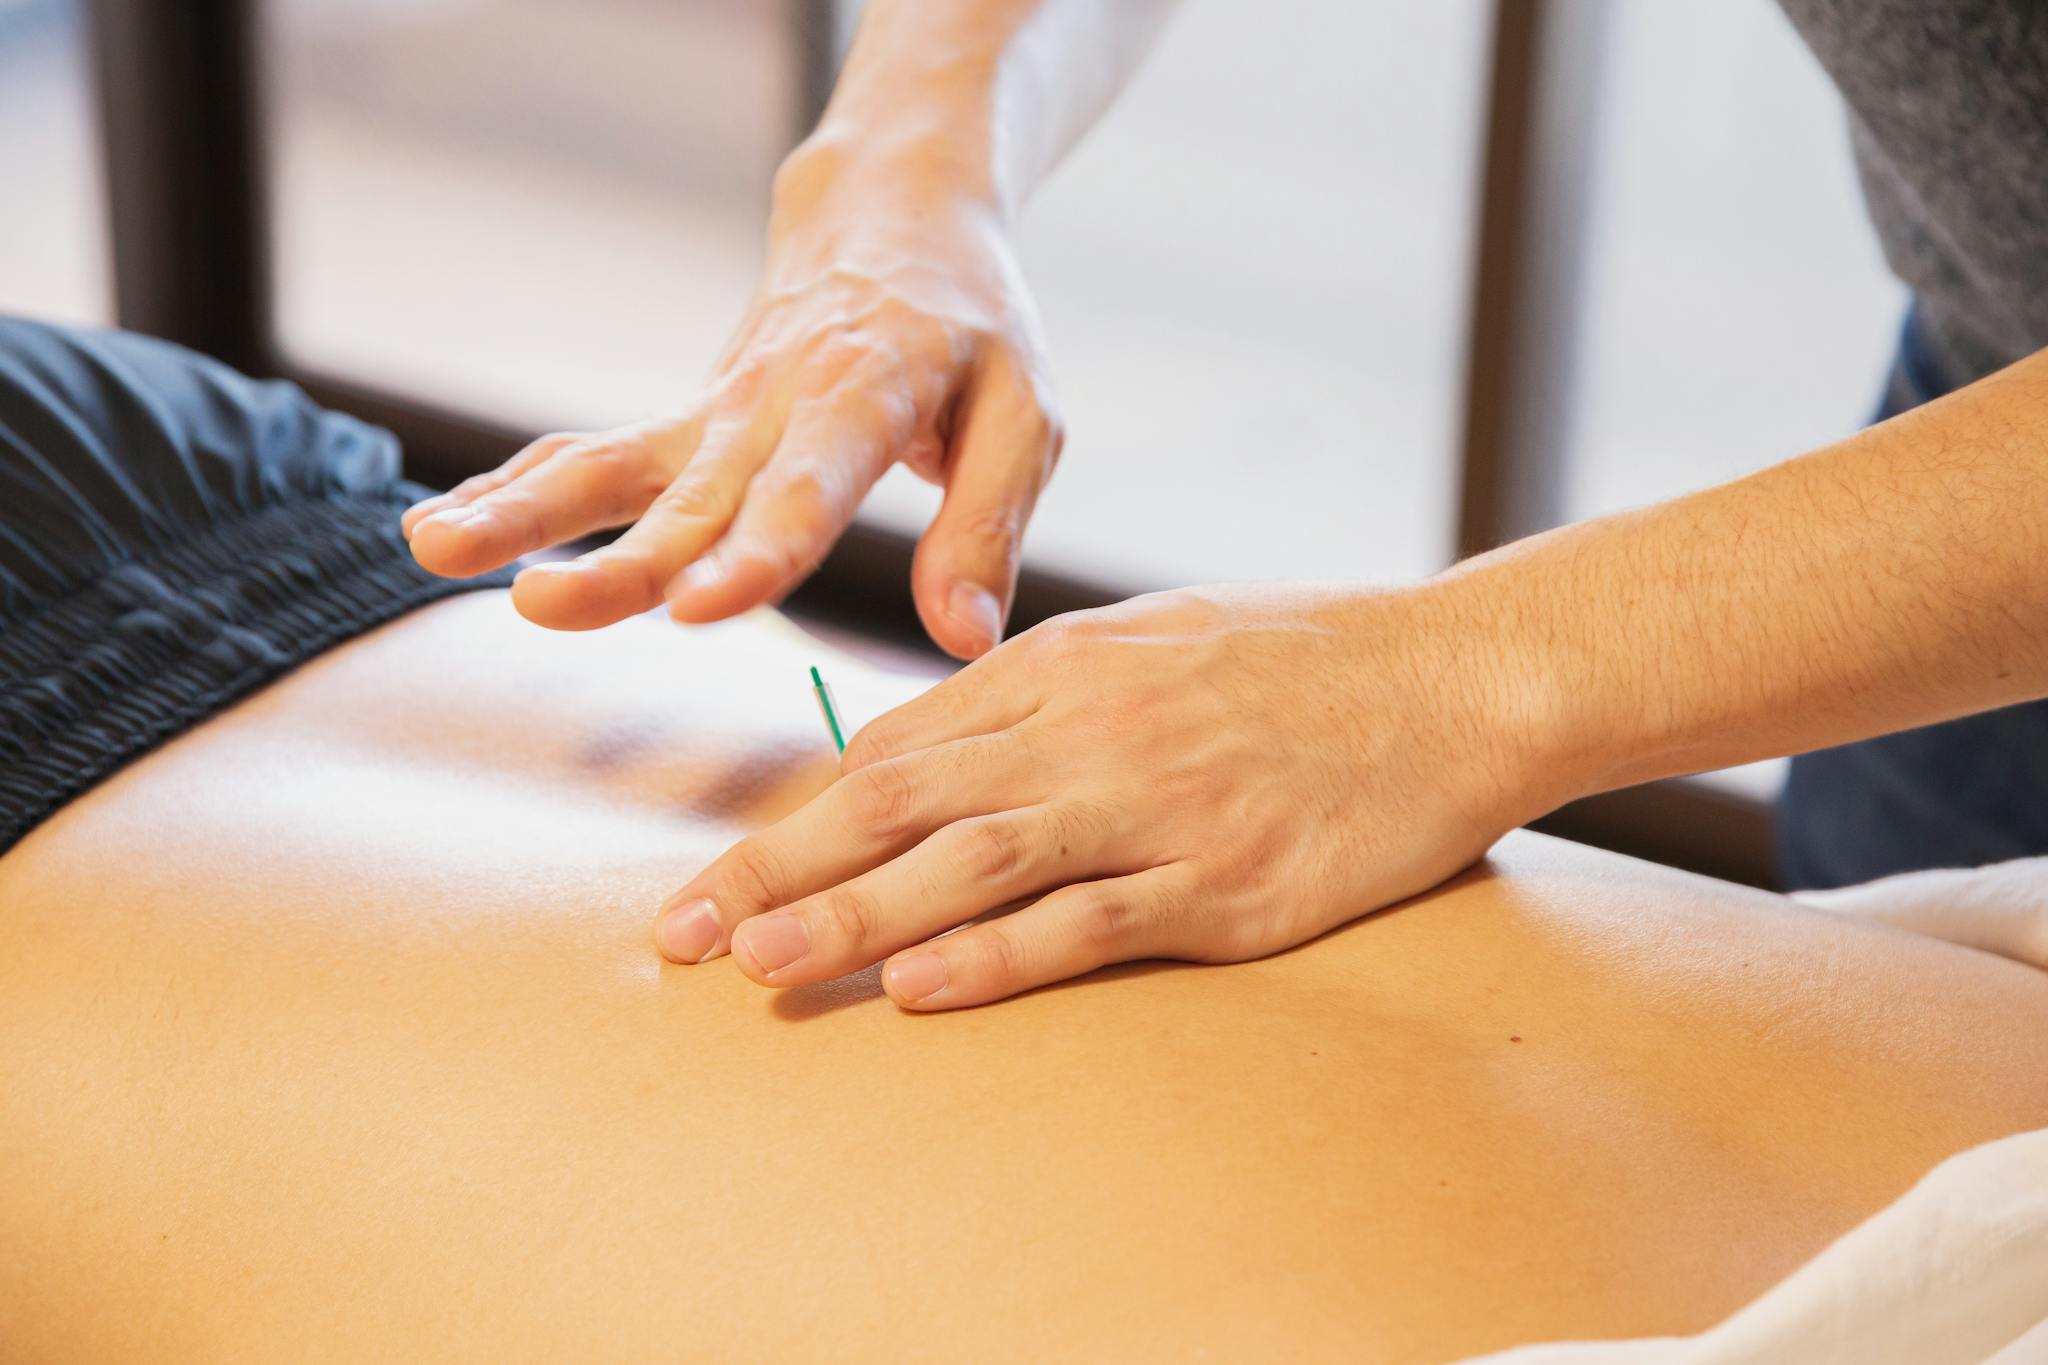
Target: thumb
x: 1004, y: 447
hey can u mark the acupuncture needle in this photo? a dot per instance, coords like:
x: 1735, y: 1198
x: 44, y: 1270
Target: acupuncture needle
x: 823, y: 691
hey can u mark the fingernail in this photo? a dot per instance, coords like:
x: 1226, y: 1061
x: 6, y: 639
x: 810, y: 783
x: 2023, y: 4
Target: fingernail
x: 453, y: 516
x: 916, y: 977
x: 772, y: 942
x: 698, y: 576
x: 975, y: 608
x: 687, y: 933
x: 408, y: 523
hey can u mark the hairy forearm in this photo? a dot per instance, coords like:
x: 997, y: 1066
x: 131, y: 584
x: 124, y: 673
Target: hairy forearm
x: 1893, y: 579
x: 973, y: 98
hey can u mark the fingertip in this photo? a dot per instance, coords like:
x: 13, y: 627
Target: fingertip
x: 425, y: 507
x: 576, y: 594
x: 743, y: 956
x: 918, y: 980
x: 689, y: 933
x: 684, y: 594
x: 555, y: 596
x: 950, y: 638
x: 715, y: 588
x: 860, y: 752
x: 977, y: 612
x: 445, y: 542
x: 963, y: 618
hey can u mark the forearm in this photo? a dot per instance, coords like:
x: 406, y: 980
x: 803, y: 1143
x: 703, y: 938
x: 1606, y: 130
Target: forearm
x: 1893, y: 579
x: 973, y: 98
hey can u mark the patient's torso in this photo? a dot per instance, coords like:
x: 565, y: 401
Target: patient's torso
x: 332, y: 1030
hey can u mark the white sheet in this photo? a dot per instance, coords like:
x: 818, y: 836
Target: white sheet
x: 1956, y: 1271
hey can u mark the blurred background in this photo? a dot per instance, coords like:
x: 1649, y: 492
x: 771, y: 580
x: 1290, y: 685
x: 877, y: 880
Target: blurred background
x: 1339, y: 288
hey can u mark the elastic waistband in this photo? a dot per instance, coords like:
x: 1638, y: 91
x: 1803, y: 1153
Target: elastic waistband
x: 91, y: 681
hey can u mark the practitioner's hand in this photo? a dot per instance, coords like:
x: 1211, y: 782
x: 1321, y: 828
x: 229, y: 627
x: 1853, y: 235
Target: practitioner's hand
x: 891, y: 324
x: 1209, y: 775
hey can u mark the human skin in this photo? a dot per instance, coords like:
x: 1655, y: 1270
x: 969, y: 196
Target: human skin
x: 328, y: 1031
x: 891, y: 324
x: 1133, y: 758
x: 1887, y: 581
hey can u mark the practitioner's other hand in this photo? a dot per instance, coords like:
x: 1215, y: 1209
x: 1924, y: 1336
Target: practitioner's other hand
x: 1210, y: 775
x: 891, y: 324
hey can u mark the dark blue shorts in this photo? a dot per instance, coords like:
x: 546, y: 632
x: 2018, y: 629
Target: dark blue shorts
x: 1960, y: 794
x: 173, y: 535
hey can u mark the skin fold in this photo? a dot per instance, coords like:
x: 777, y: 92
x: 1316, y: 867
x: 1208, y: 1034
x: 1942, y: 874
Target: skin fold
x: 330, y: 1031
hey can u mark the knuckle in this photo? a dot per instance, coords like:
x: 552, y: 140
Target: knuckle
x: 531, y: 456
x: 1000, y: 957
x: 809, y: 172
x: 850, y: 916
x: 1024, y: 748
x: 995, y: 533
x: 603, y: 458
x: 895, y: 312
x: 881, y: 800
x: 740, y: 384
x: 787, y: 558
x: 799, y: 171
x: 641, y: 569
x: 752, y: 878
x: 833, y: 353
x: 871, y: 744
x: 930, y: 344
x: 925, y: 453
x: 992, y: 850
x: 517, y: 510
x: 1239, y: 938
x: 883, y: 408
x: 695, y: 499
x: 1055, y: 642
x: 617, y: 468
x: 1239, y: 865
x: 1110, y: 922
x: 806, y: 497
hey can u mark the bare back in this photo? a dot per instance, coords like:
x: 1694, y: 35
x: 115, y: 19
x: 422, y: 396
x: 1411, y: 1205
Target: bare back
x: 332, y: 1030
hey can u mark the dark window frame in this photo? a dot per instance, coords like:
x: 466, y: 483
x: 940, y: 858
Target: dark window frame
x: 182, y: 121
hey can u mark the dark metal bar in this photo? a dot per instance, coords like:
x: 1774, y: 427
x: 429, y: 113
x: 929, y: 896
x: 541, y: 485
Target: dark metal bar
x: 1535, y: 196
x: 184, y: 186
x: 1681, y: 823
x: 1497, y: 275
x: 1536, y: 182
